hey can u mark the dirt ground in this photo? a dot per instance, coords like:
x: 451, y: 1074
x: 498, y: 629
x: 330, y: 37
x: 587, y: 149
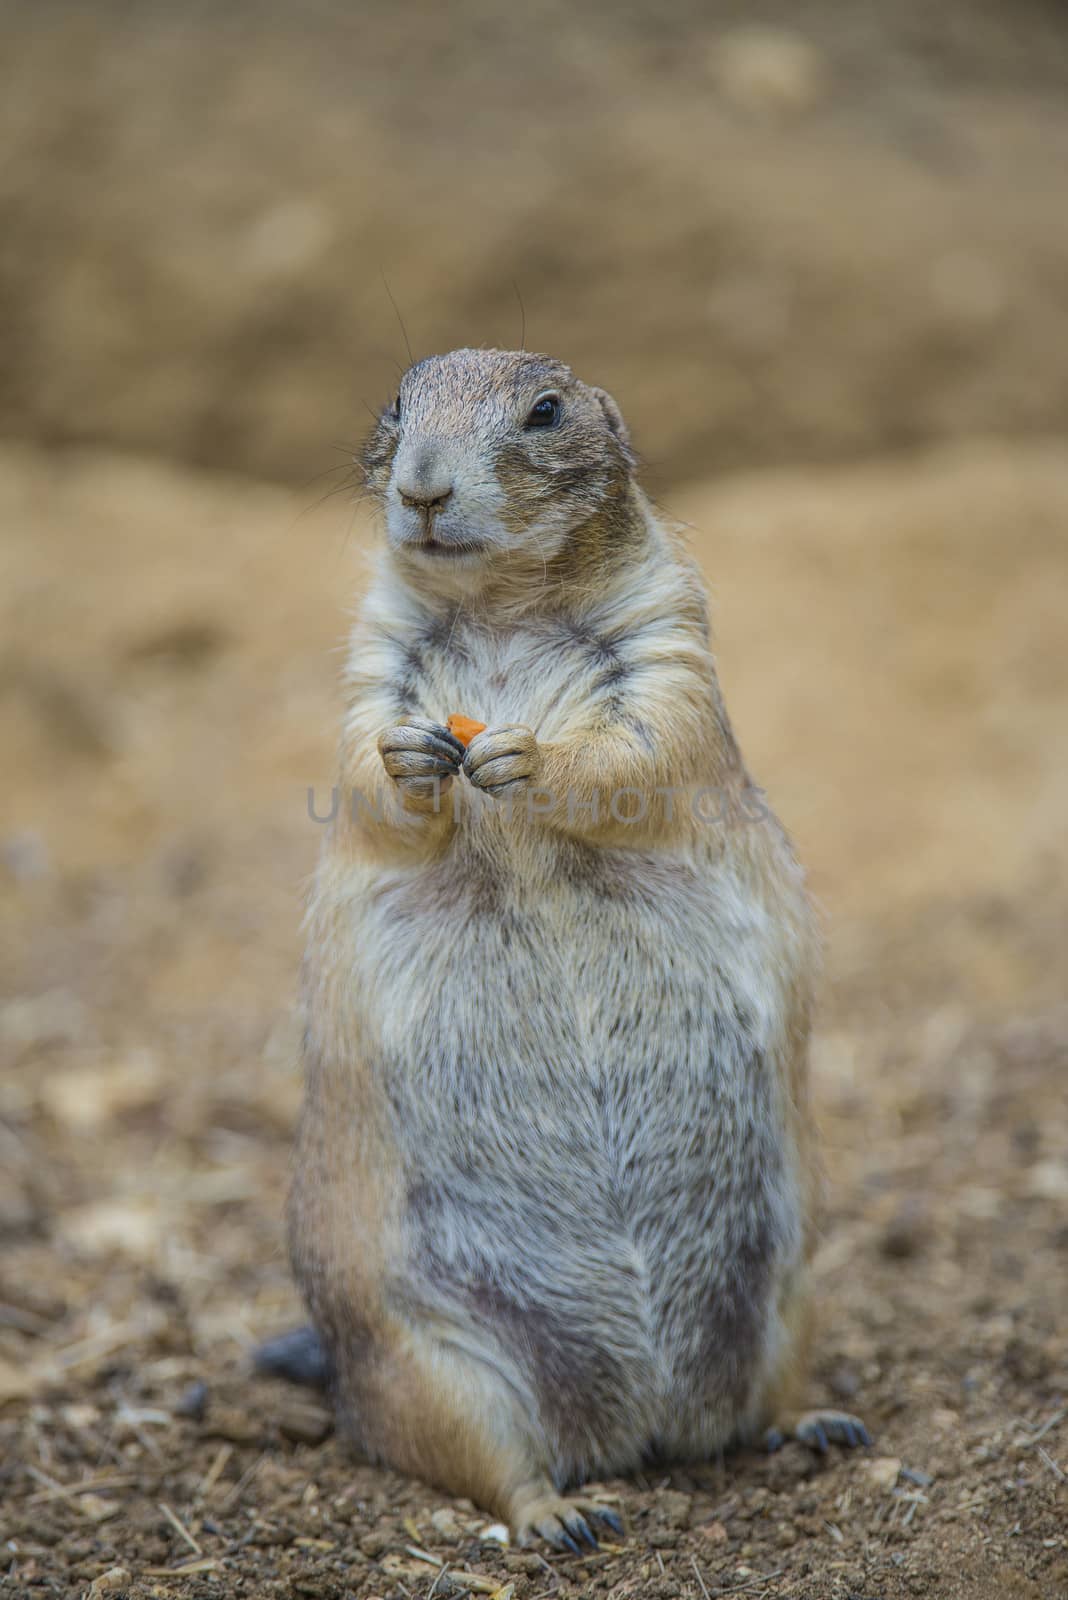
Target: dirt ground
x: 891, y: 640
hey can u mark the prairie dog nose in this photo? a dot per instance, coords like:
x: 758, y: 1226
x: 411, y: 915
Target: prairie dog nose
x: 424, y: 480
x: 423, y: 475
x: 427, y: 496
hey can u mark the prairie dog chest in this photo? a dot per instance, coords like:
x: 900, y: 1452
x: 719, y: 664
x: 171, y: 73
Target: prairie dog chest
x: 537, y: 673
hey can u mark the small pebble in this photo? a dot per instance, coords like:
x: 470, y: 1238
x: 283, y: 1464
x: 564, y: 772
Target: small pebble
x: 883, y: 1471
x: 907, y: 1231
x: 844, y: 1384
x: 376, y: 1543
x: 193, y: 1402
x: 111, y: 1582
x: 444, y: 1522
x: 523, y: 1561
x: 674, y: 1508
x: 235, y: 1425
x: 304, y: 1424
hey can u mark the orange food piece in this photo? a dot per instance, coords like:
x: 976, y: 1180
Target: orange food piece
x: 464, y: 728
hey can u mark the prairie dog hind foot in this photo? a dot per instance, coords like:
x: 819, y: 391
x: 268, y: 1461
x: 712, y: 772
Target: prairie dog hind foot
x: 819, y: 1430
x: 567, y: 1524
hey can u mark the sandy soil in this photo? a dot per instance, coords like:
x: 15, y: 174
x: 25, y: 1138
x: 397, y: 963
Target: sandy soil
x: 791, y: 230
x: 891, y: 640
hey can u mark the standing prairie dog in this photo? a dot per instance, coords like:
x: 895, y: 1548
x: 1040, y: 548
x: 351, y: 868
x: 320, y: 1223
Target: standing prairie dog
x: 553, y: 1190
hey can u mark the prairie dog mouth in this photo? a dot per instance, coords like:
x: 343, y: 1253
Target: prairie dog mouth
x: 447, y: 549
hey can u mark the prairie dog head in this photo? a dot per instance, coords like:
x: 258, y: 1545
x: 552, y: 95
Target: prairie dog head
x: 488, y: 460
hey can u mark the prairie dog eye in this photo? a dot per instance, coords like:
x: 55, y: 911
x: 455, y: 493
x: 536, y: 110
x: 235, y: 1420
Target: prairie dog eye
x: 394, y: 409
x: 544, y: 411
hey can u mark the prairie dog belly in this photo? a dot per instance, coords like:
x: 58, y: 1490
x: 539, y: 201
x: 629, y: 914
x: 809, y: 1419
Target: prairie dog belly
x: 597, y: 1177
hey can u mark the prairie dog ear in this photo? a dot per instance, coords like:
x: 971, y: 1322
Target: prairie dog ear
x: 614, y: 418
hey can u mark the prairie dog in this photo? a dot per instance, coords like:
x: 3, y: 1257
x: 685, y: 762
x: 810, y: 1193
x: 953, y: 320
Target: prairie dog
x: 553, y: 1190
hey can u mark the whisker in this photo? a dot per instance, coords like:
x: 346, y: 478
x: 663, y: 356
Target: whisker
x: 348, y: 531
x: 523, y: 314
x: 341, y: 466
x: 350, y: 486
x: 400, y: 319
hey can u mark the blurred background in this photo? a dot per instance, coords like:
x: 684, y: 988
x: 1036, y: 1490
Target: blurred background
x: 819, y: 254
x: 784, y: 232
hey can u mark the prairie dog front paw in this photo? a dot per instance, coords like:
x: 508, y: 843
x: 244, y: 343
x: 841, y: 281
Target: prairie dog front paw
x: 503, y: 760
x: 422, y: 758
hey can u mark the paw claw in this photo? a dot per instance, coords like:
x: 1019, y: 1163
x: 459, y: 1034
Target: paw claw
x: 609, y: 1518
x: 774, y: 1439
x: 580, y: 1528
x: 564, y: 1524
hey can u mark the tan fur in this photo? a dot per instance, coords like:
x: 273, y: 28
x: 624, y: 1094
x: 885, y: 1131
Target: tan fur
x: 555, y: 1179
